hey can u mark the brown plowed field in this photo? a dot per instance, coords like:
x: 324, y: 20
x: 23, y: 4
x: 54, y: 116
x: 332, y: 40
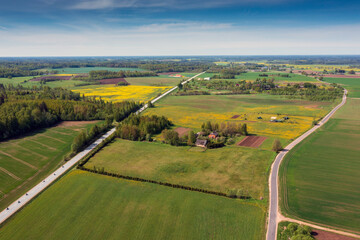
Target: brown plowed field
x: 112, y: 81
x: 323, y: 235
x: 235, y: 116
x: 252, y: 141
x: 182, y: 131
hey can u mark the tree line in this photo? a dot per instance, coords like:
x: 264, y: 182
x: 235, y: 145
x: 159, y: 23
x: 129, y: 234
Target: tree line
x: 102, y: 171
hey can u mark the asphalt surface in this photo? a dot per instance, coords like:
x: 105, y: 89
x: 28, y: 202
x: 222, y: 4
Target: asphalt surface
x: 273, y: 179
x: 24, y: 199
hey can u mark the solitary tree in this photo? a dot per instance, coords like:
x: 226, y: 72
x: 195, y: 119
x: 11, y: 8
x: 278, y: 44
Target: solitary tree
x: 277, y: 146
x: 191, y: 138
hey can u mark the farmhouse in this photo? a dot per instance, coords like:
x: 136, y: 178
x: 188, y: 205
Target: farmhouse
x: 213, y: 135
x: 273, y: 119
x: 200, y: 143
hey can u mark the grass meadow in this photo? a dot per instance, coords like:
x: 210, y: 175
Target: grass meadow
x: 242, y: 169
x: 293, y: 77
x: 351, y: 84
x: 83, y: 205
x: 320, y: 177
x: 26, y: 160
x: 192, y: 111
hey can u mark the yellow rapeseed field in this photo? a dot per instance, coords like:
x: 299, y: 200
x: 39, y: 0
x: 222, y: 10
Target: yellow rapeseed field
x: 64, y: 74
x: 121, y: 93
x: 289, y: 129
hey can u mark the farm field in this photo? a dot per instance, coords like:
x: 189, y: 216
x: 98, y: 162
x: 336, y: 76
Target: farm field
x: 88, y: 69
x: 252, y: 76
x: 154, y: 81
x: 121, y: 93
x: 118, y: 209
x: 230, y: 168
x: 294, y: 77
x: 319, y: 177
x: 26, y: 160
x: 192, y: 111
x: 351, y: 84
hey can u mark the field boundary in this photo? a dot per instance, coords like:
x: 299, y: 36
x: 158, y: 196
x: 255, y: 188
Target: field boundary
x: 138, y: 179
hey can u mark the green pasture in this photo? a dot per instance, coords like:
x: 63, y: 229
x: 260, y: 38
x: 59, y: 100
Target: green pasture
x: 89, y: 206
x: 293, y: 77
x: 26, y: 160
x: 320, y: 177
x: 236, y: 168
x: 351, y: 84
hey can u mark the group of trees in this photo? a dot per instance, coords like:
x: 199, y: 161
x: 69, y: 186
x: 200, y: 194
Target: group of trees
x: 138, y: 128
x: 86, y: 137
x: 22, y: 110
x: 228, y: 73
x: 310, y: 91
x: 228, y: 129
x: 294, y: 231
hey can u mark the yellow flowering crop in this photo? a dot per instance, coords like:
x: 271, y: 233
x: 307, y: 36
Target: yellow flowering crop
x: 121, y: 93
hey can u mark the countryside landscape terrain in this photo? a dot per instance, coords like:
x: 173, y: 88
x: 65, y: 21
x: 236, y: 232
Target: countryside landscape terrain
x: 190, y: 149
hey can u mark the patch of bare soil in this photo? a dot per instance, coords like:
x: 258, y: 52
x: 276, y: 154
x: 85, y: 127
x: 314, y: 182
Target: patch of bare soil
x: 252, y: 141
x: 182, y: 131
x: 75, y: 123
x: 323, y: 235
x: 235, y: 116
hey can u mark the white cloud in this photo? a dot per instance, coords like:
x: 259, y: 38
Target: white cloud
x: 175, y: 4
x: 182, y: 38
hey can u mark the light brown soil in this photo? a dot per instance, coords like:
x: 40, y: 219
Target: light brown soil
x: 323, y: 235
x: 182, y: 131
x: 112, y: 81
x: 75, y: 123
x: 252, y: 141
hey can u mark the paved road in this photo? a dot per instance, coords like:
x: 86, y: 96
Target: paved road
x: 273, y: 179
x: 24, y: 199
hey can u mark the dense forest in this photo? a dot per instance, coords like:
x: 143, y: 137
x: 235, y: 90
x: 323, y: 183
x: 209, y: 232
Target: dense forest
x: 23, y: 110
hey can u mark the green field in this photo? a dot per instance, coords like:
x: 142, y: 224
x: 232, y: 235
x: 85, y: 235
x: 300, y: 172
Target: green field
x: 192, y: 111
x: 21, y: 80
x: 320, y: 177
x: 154, y: 81
x: 88, y: 69
x: 26, y: 160
x: 230, y: 168
x: 90, y: 206
x: 351, y: 84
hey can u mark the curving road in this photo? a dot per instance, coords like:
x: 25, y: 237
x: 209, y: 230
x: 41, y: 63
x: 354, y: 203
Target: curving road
x: 36, y: 190
x: 274, y: 214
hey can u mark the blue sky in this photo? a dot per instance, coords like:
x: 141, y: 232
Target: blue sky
x: 178, y: 27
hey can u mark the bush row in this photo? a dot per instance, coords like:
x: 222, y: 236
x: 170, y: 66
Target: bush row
x: 117, y: 175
